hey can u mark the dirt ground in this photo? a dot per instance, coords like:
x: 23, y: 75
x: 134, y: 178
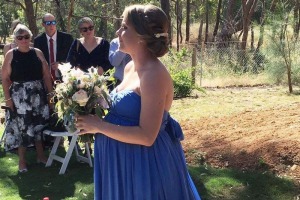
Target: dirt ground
x: 252, y: 140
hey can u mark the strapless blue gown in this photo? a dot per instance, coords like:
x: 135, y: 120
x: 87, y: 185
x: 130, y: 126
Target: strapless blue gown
x: 125, y: 171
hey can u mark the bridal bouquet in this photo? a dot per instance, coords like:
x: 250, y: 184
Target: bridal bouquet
x: 80, y: 93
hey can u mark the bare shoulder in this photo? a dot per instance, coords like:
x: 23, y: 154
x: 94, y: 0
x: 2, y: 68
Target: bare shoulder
x: 80, y: 40
x: 9, y: 54
x: 6, y: 46
x: 128, y: 66
x: 7, y: 59
x: 157, y: 70
x: 99, y: 39
x: 157, y: 76
x: 40, y: 54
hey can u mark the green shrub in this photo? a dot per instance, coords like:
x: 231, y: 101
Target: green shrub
x: 179, y: 65
x: 183, y: 84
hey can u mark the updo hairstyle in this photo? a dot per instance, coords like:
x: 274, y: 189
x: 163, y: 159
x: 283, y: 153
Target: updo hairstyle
x: 151, y: 24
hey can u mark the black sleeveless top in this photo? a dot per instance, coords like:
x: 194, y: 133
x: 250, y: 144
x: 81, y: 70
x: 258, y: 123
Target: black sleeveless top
x: 26, y: 66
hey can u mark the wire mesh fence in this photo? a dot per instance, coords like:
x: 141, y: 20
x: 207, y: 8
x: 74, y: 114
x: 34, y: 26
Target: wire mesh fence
x: 217, y: 58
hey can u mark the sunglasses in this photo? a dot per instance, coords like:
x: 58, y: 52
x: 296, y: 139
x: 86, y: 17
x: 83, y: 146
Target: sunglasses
x: 48, y: 23
x: 85, y: 29
x: 21, y: 37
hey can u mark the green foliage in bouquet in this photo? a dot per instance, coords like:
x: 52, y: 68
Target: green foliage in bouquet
x: 80, y: 93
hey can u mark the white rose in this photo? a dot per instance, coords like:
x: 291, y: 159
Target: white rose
x: 64, y: 68
x: 80, y: 97
x: 76, y: 72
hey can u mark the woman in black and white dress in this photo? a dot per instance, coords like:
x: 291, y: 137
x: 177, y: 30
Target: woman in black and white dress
x: 26, y: 81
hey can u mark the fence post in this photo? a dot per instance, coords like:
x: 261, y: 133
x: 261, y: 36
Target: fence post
x: 194, y: 63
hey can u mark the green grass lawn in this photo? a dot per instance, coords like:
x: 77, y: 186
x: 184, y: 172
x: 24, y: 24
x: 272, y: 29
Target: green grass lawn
x: 40, y: 182
x: 77, y: 182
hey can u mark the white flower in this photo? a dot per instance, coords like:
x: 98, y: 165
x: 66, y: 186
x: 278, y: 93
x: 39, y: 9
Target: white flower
x: 83, y: 81
x: 60, y: 89
x: 93, y: 70
x: 64, y: 68
x: 81, y: 97
x: 67, y: 78
x: 78, y: 73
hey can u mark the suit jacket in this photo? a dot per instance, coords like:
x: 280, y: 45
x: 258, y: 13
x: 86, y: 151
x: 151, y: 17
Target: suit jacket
x: 64, y: 42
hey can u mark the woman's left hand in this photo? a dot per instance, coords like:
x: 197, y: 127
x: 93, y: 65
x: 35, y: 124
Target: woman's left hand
x: 100, y: 70
x: 88, y: 124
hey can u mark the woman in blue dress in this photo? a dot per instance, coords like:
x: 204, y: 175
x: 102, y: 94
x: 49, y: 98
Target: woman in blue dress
x: 138, y: 154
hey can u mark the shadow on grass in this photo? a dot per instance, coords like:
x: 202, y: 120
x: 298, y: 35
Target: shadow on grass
x: 229, y: 184
x: 40, y: 182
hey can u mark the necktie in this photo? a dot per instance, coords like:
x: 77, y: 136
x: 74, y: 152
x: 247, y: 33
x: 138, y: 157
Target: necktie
x: 52, y: 58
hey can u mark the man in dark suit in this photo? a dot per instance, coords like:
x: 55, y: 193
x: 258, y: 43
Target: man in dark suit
x: 54, y: 44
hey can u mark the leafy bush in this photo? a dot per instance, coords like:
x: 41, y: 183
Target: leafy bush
x: 180, y: 69
x: 183, y: 84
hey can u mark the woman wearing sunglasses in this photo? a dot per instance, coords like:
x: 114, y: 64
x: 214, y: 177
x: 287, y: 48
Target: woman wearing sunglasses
x: 11, y: 45
x: 89, y: 50
x: 26, y: 81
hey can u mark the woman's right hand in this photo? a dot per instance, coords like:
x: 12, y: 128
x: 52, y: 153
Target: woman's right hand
x: 10, y: 104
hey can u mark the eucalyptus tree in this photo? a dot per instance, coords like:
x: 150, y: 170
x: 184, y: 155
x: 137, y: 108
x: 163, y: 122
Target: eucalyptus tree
x: 8, y: 14
x: 28, y: 8
x: 248, y: 7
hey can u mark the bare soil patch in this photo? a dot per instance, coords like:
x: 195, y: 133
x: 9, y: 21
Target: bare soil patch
x: 265, y: 139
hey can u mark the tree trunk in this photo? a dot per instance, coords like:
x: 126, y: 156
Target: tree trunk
x: 296, y: 18
x: 103, y: 22
x: 261, y: 29
x: 218, y: 17
x: 70, y: 14
x: 226, y: 31
x: 187, y: 28
x: 180, y: 20
x: 200, y: 32
x: 117, y: 13
x: 273, y: 5
x: 177, y: 24
x: 165, y: 5
x: 248, y: 9
x: 206, y: 22
x: 200, y: 27
x: 252, y: 37
x: 59, y: 16
x: 30, y: 16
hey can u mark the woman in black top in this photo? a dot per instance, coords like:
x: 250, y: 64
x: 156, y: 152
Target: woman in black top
x: 89, y: 51
x: 25, y: 74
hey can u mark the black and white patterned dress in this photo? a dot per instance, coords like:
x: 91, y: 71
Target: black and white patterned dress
x: 30, y: 100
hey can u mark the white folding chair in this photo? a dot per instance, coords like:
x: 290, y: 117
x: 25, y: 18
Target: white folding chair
x: 72, y: 146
